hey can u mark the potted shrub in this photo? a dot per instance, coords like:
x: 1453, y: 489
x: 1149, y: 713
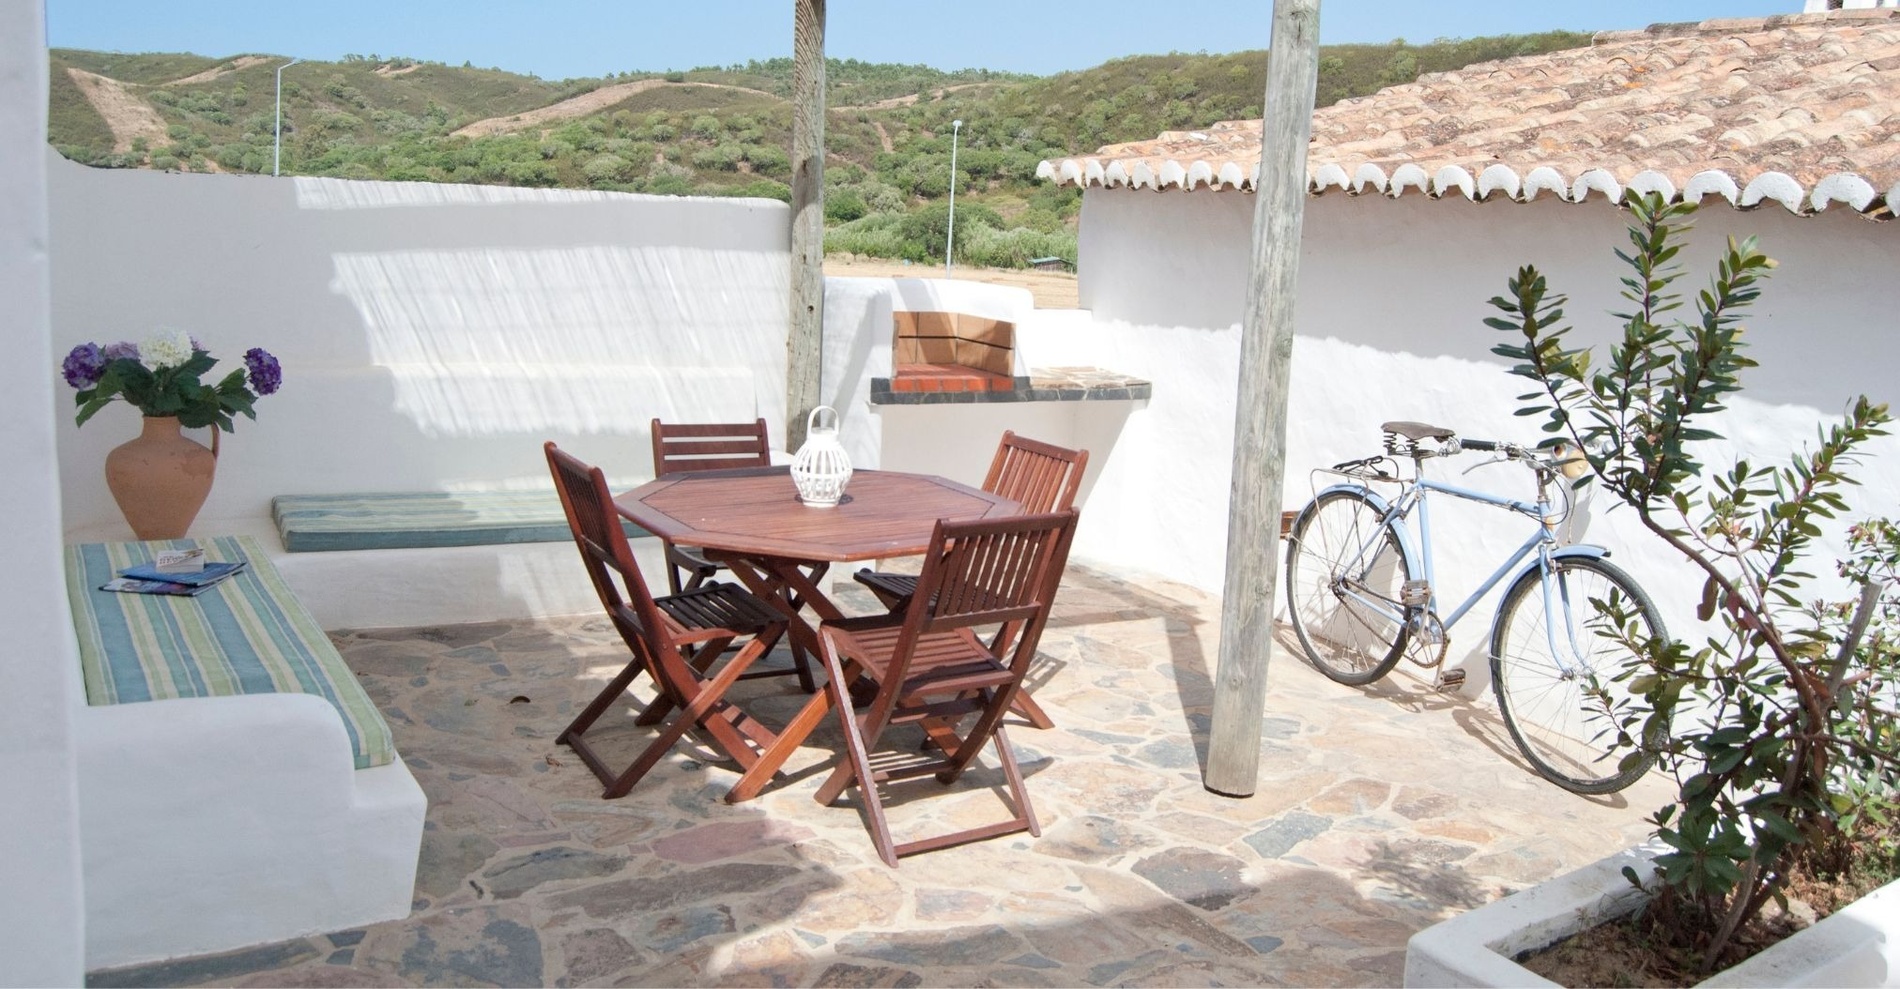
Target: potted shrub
x: 1779, y: 727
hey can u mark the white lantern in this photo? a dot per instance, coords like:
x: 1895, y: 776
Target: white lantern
x: 821, y: 469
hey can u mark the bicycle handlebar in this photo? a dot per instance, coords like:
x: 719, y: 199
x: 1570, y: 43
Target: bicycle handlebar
x: 1482, y: 446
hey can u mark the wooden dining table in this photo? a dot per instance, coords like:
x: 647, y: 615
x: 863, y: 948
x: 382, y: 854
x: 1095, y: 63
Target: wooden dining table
x: 751, y: 520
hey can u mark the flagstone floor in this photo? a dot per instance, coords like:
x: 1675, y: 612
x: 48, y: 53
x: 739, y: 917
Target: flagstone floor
x: 1379, y: 811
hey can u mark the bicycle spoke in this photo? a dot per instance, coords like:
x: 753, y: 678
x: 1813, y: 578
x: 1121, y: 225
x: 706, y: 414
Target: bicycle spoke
x: 1550, y: 666
x: 1340, y: 551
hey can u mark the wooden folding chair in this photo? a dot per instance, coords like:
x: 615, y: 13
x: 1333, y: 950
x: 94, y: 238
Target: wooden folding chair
x: 1039, y: 476
x: 676, y: 639
x: 930, y: 668
x: 681, y: 447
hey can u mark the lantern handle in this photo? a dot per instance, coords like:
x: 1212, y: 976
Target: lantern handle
x: 811, y: 421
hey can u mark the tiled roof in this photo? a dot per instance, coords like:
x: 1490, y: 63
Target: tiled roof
x: 1800, y: 109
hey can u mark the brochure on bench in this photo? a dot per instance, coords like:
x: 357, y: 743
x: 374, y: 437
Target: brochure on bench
x: 147, y: 579
x: 130, y: 585
x: 211, y: 574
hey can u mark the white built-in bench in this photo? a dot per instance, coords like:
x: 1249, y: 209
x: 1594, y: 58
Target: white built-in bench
x: 418, y: 520
x: 237, y: 785
x: 388, y: 559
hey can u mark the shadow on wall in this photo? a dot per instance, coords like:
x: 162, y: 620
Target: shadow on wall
x: 432, y: 336
x: 1413, y: 276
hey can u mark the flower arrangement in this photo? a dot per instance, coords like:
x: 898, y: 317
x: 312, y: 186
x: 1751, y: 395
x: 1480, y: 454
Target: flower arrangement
x: 160, y: 377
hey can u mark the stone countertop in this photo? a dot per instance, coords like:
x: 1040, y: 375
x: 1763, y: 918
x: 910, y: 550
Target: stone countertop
x: 1049, y: 384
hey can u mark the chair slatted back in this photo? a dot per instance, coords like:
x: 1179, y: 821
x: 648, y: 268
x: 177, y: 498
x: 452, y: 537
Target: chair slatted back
x: 1039, y: 476
x: 992, y: 572
x: 680, y: 447
x: 595, y: 523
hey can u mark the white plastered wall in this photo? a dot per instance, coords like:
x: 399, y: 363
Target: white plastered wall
x: 41, y: 910
x: 432, y: 336
x: 1392, y: 298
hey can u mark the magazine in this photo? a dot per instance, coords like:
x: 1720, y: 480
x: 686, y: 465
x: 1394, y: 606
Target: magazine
x: 211, y: 574
x: 130, y: 585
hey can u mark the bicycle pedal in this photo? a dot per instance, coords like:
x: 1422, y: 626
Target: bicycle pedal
x: 1449, y: 681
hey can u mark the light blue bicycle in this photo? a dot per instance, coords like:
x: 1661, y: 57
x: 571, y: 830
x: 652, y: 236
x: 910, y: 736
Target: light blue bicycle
x: 1360, y: 591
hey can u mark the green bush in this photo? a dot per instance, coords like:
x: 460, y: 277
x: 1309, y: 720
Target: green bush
x: 761, y: 189
x: 608, y: 168
x: 1751, y: 718
x: 1013, y: 248
x: 769, y: 160
x: 844, y: 205
x: 878, y: 235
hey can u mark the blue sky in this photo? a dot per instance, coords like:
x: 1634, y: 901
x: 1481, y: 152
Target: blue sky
x: 558, y: 39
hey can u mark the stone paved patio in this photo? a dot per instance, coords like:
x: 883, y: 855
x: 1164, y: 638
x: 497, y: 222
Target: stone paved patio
x: 1380, y: 811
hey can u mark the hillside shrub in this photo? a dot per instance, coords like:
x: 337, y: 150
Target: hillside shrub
x: 879, y: 235
x: 1013, y: 248
x: 844, y: 205
x: 608, y: 168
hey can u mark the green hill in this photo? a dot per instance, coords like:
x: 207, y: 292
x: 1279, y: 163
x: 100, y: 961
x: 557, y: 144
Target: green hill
x: 714, y: 130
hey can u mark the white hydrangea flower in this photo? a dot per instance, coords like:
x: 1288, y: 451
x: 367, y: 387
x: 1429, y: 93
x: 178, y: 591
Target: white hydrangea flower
x: 166, y: 348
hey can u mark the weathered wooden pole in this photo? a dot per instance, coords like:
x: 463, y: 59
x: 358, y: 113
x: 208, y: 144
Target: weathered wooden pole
x: 804, y: 345
x: 1266, y: 360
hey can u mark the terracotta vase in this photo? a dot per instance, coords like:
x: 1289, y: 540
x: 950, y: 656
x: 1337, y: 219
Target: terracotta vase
x: 162, y: 478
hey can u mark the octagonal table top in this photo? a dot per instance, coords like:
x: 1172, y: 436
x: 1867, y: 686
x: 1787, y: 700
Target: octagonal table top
x: 756, y: 512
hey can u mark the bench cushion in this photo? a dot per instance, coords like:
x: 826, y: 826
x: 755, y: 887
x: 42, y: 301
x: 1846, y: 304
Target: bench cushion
x: 247, y: 635
x: 418, y: 519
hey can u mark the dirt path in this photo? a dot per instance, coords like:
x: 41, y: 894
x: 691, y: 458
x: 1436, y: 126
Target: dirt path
x: 241, y: 62
x: 582, y: 105
x: 1052, y: 289
x: 897, y: 101
x: 127, y: 115
x: 883, y: 137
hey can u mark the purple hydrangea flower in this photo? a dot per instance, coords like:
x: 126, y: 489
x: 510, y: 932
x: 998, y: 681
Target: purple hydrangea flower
x: 84, y: 365
x: 266, y: 374
x: 123, y: 350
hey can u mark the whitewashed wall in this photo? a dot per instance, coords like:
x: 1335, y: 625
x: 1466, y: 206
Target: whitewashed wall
x: 1392, y: 298
x: 432, y: 336
x: 41, y: 914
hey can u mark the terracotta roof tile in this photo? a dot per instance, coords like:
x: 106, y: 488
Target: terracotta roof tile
x: 1801, y: 109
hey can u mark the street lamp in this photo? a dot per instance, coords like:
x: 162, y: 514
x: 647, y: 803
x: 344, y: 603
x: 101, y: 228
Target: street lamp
x: 950, y: 235
x: 277, y: 151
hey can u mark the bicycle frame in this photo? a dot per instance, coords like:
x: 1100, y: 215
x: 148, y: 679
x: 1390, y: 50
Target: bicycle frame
x: 1542, y: 543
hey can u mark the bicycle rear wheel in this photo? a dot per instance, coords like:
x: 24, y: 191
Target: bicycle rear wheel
x: 1344, y: 571
x: 1550, y: 704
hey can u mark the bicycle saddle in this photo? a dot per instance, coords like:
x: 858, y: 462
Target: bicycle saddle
x: 1416, y: 431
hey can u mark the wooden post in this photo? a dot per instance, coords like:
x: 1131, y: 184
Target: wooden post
x: 1266, y: 359
x: 804, y: 346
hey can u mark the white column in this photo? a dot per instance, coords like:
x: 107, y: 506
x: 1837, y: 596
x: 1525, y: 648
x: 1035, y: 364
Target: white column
x: 42, y: 932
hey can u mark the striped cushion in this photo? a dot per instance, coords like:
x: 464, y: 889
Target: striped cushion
x: 247, y: 635
x: 400, y: 520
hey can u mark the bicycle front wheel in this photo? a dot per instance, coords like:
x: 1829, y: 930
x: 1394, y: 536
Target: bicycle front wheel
x: 1344, y: 571
x: 1552, y: 667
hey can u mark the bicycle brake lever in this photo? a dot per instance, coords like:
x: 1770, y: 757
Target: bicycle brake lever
x: 1483, y: 463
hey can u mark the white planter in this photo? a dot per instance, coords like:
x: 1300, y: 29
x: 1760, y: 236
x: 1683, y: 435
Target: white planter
x: 1856, y: 946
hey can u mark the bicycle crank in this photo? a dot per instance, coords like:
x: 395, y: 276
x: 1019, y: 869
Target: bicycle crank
x: 1428, y: 644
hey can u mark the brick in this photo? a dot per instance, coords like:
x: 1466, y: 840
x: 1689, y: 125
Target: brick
x: 983, y: 357
x: 979, y: 329
x: 935, y: 324
x: 937, y: 350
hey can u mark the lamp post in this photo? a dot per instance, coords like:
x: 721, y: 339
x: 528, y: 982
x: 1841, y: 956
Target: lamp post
x: 277, y: 149
x: 950, y: 234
